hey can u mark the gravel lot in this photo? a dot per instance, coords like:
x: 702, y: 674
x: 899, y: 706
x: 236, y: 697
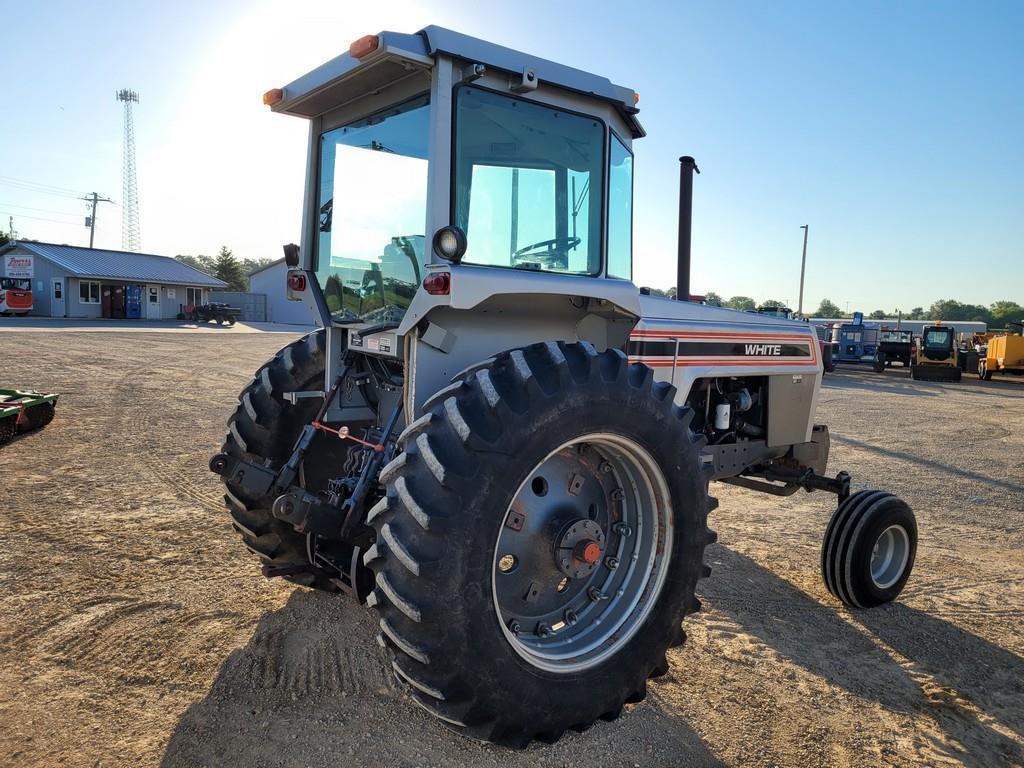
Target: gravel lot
x: 139, y: 632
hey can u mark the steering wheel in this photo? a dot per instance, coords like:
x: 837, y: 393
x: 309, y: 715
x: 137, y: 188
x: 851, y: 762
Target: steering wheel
x: 549, y: 253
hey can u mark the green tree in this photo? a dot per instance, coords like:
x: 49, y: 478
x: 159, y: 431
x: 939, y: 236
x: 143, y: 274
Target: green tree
x: 229, y: 269
x: 878, y: 314
x: 712, y: 299
x: 4, y: 239
x: 1003, y: 311
x: 741, y: 302
x: 917, y: 313
x: 771, y: 303
x: 255, y: 265
x: 827, y: 309
x: 202, y: 263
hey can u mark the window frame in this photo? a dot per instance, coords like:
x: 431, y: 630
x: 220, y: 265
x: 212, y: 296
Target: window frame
x: 608, y: 203
x: 191, y: 288
x: 89, y: 300
x: 602, y: 253
x: 327, y: 127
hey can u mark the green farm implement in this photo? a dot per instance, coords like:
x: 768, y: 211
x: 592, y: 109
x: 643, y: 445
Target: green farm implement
x: 22, y: 411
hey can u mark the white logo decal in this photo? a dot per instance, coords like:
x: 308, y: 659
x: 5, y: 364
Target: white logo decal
x: 763, y: 349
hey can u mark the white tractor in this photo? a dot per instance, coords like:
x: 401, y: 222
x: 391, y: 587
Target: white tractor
x: 498, y: 441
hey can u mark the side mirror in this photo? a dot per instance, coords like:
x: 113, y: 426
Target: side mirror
x: 449, y: 243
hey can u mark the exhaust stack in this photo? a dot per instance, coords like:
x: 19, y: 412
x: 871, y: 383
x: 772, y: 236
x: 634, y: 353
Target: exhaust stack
x: 687, y: 167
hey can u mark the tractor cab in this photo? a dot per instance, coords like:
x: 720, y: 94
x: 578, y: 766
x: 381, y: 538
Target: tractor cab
x: 435, y: 149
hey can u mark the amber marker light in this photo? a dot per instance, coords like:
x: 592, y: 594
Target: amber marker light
x: 364, y: 46
x: 273, y: 96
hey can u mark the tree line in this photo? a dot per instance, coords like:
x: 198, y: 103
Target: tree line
x: 227, y: 267
x: 996, y: 315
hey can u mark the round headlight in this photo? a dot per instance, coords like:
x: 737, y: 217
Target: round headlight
x: 450, y: 243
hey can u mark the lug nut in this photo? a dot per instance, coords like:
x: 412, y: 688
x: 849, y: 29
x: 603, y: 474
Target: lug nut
x: 605, y: 467
x: 513, y: 627
x: 543, y: 630
x: 596, y: 595
x: 611, y: 563
x: 622, y: 529
x: 570, y: 616
x: 618, y: 494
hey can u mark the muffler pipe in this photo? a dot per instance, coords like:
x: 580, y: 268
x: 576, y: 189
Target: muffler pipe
x: 687, y: 167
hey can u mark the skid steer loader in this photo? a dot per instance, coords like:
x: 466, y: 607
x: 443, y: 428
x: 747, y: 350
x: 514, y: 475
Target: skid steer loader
x: 497, y: 441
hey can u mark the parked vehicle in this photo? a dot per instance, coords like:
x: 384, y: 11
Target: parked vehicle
x: 1004, y: 354
x: 893, y: 347
x: 508, y: 459
x: 216, y: 312
x: 15, y: 296
x: 936, y: 355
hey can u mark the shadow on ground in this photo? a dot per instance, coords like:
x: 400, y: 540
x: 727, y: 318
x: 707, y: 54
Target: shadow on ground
x: 912, y: 458
x: 964, y: 683
x: 311, y: 689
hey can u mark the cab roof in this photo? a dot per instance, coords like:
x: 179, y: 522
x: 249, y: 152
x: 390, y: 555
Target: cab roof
x: 399, y: 55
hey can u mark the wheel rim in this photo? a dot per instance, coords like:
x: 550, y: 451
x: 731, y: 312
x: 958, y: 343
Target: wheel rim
x: 583, y: 551
x: 889, y: 556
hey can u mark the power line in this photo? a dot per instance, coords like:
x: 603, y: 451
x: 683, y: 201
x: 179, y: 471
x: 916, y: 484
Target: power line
x: 34, y: 186
x: 41, y: 210
x: 40, y: 218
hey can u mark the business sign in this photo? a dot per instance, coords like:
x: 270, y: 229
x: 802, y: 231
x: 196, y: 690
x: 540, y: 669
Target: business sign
x: 17, y: 265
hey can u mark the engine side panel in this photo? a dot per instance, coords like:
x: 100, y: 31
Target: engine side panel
x: 707, y: 343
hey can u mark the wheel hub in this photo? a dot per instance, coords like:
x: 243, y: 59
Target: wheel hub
x: 579, y: 548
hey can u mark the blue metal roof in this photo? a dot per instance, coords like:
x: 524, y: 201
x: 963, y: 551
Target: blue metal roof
x: 120, y: 265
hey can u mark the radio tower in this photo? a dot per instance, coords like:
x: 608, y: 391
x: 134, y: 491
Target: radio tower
x: 131, y: 240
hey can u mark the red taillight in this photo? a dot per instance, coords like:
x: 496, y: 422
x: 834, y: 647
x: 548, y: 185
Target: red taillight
x: 296, y: 282
x: 365, y: 45
x: 438, y: 283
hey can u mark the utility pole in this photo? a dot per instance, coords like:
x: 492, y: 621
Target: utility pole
x: 90, y: 221
x: 803, y: 265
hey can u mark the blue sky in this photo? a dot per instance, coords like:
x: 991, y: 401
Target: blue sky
x: 893, y: 129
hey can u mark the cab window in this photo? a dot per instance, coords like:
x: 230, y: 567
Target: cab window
x: 528, y: 181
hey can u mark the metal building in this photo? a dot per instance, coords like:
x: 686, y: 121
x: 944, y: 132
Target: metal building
x: 270, y: 281
x: 68, y: 281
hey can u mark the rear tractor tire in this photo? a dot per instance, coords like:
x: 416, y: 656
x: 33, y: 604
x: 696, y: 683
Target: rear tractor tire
x: 264, y: 427
x: 540, y: 542
x: 869, y: 549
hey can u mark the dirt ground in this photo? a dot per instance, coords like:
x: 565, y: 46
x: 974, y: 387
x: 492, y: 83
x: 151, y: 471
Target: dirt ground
x: 137, y: 631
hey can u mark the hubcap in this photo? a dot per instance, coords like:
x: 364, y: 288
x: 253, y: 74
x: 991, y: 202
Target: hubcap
x: 889, y: 556
x: 583, y: 552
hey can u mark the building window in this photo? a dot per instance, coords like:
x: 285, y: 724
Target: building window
x: 58, y: 290
x: 88, y: 292
x: 193, y: 296
x: 154, y: 295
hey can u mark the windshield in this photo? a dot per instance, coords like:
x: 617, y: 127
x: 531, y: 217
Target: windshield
x: 372, y: 216
x: 937, y: 337
x: 528, y: 181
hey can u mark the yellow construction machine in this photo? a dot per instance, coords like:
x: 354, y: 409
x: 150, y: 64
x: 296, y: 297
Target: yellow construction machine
x: 1005, y: 354
x: 935, y: 355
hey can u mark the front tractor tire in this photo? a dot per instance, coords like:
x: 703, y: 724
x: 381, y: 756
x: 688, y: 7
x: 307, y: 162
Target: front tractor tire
x: 869, y: 549
x: 264, y: 428
x: 540, y: 542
